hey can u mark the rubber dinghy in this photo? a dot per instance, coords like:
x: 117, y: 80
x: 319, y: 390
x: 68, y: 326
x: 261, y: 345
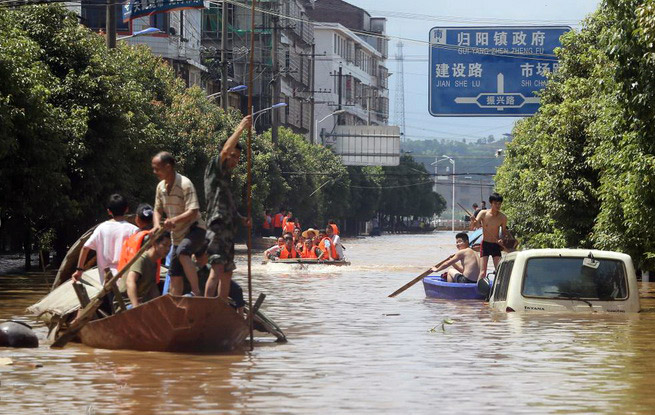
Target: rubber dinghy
x: 436, y: 287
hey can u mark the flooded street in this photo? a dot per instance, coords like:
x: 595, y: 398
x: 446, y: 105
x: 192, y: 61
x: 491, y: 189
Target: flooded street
x: 353, y: 350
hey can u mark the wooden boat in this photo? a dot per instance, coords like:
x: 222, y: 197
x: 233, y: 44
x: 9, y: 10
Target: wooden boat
x: 170, y: 324
x: 436, y: 287
x: 167, y: 323
x: 306, y: 261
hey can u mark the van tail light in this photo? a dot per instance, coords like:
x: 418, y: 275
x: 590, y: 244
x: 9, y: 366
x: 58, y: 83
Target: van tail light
x: 509, y: 309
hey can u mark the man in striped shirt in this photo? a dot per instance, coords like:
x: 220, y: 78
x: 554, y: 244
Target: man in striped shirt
x: 176, y: 199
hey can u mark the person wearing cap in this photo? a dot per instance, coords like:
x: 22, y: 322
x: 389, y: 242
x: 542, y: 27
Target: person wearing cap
x: 132, y: 245
x: 310, y: 233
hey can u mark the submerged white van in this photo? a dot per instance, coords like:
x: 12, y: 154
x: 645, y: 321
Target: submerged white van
x: 569, y: 280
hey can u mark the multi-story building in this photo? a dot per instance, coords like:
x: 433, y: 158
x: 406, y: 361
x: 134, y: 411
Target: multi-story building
x: 282, y: 78
x: 351, y: 75
x: 178, y: 43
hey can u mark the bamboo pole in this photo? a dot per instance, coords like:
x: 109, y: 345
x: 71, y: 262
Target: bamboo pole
x: 251, y: 87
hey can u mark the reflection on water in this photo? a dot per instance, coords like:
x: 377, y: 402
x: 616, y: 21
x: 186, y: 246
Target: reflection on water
x: 353, y: 350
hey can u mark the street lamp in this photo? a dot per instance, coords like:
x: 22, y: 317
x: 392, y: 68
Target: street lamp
x: 233, y: 89
x: 146, y: 31
x: 337, y: 112
x: 256, y: 114
x: 452, y: 161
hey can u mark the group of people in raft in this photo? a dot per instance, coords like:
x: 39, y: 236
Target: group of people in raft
x: 294, y: 243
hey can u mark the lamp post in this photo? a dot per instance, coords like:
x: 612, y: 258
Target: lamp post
x: 337, y: 112
x: 256, y: 114
x: 233, y: 89
x: 452, y: 161
x: 146, y: 31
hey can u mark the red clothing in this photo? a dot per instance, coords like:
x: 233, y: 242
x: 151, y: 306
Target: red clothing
x: 335, y: 228
x: 289, y: 227
x: 333, y: 249
x: 285, y: 254
x: 311, y: 252
x: 267, y: 222
x: 130, y: 247
x: 277, y: 220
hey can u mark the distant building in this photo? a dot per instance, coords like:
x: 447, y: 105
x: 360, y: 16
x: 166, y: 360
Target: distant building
x: 179, y: 44
x: 351, y: 74
x: 293, y: 39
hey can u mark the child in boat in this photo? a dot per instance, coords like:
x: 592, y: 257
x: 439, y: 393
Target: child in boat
x: 492, y: 221
x: 465, y: 263
x: 140, y: 283
x: 107, y: 239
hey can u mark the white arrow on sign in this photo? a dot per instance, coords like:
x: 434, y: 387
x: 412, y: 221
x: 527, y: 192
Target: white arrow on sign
x: 500, y: 81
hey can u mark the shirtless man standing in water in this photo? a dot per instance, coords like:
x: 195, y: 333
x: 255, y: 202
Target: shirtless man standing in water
x: 465, y: 262
x: 491, y: 220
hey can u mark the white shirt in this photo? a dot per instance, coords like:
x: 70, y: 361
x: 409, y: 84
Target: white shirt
x: 272, y: 251
x: 107, y: 240
x: 337, y: 245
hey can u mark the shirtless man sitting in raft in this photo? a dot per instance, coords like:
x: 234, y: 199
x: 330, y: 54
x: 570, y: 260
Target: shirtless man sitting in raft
x: 465, y: 263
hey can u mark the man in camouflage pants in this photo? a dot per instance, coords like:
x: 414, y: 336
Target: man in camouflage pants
x: 222, y: 213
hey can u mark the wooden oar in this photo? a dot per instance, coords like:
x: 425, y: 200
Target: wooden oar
x: 90, y: 310
x: 466, y: 210
x: 419, y: 278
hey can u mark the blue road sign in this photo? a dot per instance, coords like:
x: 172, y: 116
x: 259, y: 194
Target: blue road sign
x: 490, y: 71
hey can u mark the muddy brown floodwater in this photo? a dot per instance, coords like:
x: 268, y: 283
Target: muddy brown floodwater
x: 353, y: 350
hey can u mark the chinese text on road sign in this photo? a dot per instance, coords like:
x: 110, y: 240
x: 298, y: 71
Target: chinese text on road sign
x: 490, y: 71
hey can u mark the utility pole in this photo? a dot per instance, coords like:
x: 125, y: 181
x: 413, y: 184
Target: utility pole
x: 400, y: 92
x: 339, y: 90
x: 312, y: 102
x: 275, y: 119
x: 110, y: 24
x: 223, y: 56
x: 368, y: 107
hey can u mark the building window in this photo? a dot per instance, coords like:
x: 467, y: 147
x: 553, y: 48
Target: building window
x: 160, y: 21
x: 287, y: 59
x: 94, y: 15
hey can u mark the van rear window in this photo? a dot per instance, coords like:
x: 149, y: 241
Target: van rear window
x: 583, y: 278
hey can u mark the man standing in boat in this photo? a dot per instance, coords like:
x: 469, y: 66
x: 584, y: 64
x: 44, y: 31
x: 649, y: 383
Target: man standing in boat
x: 176, y: 198
x: 492, y: 222
x: 465, y: 263
x: 222, y: 213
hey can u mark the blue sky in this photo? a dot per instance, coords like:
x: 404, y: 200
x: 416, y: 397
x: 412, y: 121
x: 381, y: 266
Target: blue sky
x: 421, y: 15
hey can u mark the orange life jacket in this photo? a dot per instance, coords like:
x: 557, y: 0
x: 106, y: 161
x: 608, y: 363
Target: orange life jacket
x: 285, y: 254
x: 277, y: 220
x: 335, y: 229
x: 130, y: 247
x: 311, y: 253
x: 289, y: 227
x: 267, y: 222
x: 333, y: 249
